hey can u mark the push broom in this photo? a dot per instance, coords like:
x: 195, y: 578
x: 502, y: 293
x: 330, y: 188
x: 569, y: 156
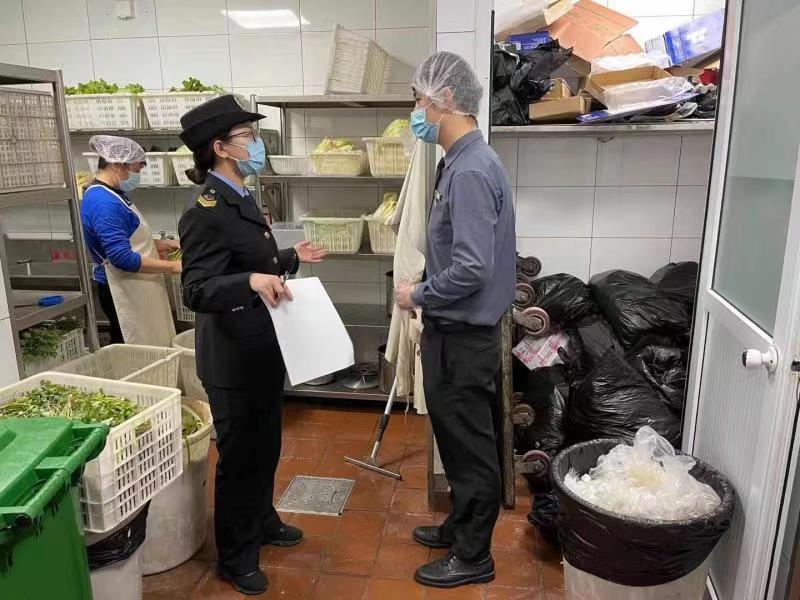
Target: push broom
x: 371, y: 462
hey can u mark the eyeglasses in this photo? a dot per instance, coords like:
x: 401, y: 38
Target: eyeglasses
x: 249, y: 133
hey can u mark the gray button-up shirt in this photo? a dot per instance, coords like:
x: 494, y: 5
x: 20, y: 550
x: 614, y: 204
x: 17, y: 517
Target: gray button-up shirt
x: 471, y: 249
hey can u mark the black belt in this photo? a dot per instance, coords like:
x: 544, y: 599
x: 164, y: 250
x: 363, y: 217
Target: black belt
x: 445, y: 326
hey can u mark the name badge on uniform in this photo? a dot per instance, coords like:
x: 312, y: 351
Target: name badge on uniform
x: 437, y: 197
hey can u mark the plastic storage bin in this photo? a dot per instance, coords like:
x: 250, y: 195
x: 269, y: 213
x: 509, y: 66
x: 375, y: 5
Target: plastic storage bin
x: 345, y: 164
x: 287, y: 234
x: 357, y: 64
x: 288, y: 165
x: 158, y: 171
x: 120, y: 580
x: 182, y: 313
x: 70, y: 347
x: 180, y: 163
x: 164, y: 111
x: 388, y: 156
x: 142, y: 456
x: 105, y: 111
x: 43, y: 546
x: 151, y: 365
x: 337, y: 232
x: 189, y: 381
x: 381, y: 236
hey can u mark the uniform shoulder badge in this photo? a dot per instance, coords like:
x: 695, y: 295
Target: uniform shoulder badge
x: 208, y: 199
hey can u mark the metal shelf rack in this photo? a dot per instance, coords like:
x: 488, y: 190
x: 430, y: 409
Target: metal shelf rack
x: 22, y: 317
x: 676, y: 127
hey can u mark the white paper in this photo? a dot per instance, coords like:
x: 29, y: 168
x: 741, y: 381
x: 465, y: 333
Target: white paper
x: 312, y: 337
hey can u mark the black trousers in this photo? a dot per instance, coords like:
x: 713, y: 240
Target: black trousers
x: 460, y: 364
x: 248, y: 425
x: 107, y: 304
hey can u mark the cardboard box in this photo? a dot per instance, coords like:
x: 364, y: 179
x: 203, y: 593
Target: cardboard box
x: 534, y: 15
x: 525, y: 42
x: 692, y: 43
x: 564, y: 109
x: 559, y: 92
x: 599, y: 83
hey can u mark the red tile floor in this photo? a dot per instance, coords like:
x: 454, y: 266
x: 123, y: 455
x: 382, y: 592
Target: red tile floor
x: 367, y: 553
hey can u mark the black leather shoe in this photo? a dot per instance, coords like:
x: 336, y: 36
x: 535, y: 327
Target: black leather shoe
x: 284, y: 536
x: 252, y: 584
x: 450, y: 571
x: 431, y: 536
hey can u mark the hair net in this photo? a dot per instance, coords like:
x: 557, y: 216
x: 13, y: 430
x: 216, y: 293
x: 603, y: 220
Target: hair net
x: 449, y: 81
x: 117, y: 149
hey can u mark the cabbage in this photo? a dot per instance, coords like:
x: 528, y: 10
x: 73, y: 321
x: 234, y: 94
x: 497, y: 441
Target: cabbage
x: 335, y: 145
x: 397, y: 128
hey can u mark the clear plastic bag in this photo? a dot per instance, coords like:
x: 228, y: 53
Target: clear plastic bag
x: 630, y: 61
x: 647, y: 480
x: 628, y: 96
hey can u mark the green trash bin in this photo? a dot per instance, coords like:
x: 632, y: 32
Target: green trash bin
x: 42, y: 548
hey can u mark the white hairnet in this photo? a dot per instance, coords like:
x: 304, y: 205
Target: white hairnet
x: 116, y: 149
x: 449, y: 81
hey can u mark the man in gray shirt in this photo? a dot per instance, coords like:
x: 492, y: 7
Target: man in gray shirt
x: 468, y: 286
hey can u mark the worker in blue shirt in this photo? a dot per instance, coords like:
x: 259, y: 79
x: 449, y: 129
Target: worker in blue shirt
x: 128, y: 271
x: 467, y: 287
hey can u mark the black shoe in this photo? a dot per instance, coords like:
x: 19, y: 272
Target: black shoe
x: 252, y: 584
x: 450, y: 571
x: 284, y: 536
x: 431, y: 536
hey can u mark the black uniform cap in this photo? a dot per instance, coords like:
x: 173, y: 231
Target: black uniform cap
x: 213, y: 118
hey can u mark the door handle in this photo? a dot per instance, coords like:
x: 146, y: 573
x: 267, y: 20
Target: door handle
x: 753, y: 359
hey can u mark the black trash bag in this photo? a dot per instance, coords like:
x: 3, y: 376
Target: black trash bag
x: 120, y: 545
x: 636, y: 307
x: 544, y: 515
x: 546, y: 391
x: 628, y: 550
x: 506, y: 109
x: 678, y: 280
x: 615, y: 400
x: 504, y: 65
x: 565, y: 299
x: 542, y: 61
x: 591, y: 338
x: 664, y: 366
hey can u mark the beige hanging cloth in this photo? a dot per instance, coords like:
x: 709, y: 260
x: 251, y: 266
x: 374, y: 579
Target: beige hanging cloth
x: 410, y: 221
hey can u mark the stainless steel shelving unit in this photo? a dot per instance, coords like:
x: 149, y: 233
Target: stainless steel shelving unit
x: 23, y: 317
x: 675, y: 127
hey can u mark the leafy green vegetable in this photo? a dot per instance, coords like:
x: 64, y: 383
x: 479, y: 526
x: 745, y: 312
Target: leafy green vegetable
x: 190, y: 421
x: 397, y: 128
x: 41, y: 342
x: 53, y: 400
x: 101, y: 86
x: 335, y: 145
x: 133, y: 88
x: 176, y: 254
x: 190, y: 84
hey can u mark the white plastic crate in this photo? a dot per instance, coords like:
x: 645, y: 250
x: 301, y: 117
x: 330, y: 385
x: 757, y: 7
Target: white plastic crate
x: 388, y: 156
x: 180, y: 163
x: 164, y: 111
x: 158, y: 171
x: 357, y: 64
x: 182, y: 313
x: 346, y: 164
x: 105, y: 111
x: 339, y: 232
x: 129, y: 362
x: 288, y: 165
x: 70, y: 347
x: 192, y: 386
x: 381, y: 236
x: 141, y: 456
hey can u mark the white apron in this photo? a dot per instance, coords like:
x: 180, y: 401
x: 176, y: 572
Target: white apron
x: 141, y: 299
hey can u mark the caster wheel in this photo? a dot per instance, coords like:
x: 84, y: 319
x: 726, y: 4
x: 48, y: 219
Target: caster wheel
x: 540, y: 462
x: 523, y: 415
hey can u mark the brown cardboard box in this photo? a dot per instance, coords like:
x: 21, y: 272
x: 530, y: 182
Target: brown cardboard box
x: 560, y: 91
x: 599, y: 83
x: 534, y: 15
x: 563, y: 109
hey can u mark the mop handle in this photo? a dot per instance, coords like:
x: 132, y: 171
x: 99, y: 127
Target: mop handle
x: 384, y: 422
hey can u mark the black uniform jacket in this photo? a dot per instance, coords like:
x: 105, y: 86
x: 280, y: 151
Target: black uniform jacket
x: 225, y: 239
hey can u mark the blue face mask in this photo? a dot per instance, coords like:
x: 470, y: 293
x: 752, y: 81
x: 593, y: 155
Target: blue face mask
x: 257, y: 158
x: 422, y: 128
x: 132, y: 182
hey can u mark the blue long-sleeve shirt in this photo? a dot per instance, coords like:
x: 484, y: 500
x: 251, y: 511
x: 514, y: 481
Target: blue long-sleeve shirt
x: 471, y: 247
x: 108, y: 225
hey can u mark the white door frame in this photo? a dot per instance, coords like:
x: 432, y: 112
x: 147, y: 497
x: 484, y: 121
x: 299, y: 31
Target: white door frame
x: 777, y: 434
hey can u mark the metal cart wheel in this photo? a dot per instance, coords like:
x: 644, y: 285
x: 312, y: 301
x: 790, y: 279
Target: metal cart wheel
x: 537, y: 463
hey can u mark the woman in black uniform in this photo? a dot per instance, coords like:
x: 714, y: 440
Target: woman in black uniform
x: 229, y: 258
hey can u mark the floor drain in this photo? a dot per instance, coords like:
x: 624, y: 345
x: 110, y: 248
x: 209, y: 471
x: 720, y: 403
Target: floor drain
x: 316, y: 495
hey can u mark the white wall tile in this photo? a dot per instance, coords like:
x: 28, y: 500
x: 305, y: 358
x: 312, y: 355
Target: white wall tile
x: 205, y: 57
x: 642, y: 256
x: 652, y: 8
x: 8, y: 366
x: 341, y: 122
x: 353, y: 14
x: 690, y: 211
x: 554, y: 211
x: 58, y: 213
x: 462, y: 44
x: 104, y: 23
x: 146, y: 69
x: 365, y: 198
x: 455, y: 15
x: 695, y: 159
x: 508, y: 150
x: 62, y: 21
x: 4, y: 313
x: 73, y: 58
x: 640, y: 211
x: 557, y: 161
x: 559, y: 255
x: 32, y: 218
x: 391, y: 14
x: 191, y: 17
x: 704, y: 7
x: 339, y: 270
x: 158, y: 209
x: 298, y: 200
x: 407, y: 47
x: 298, y: 147
x: 639, y: 160
x: 263, y: 16
x: 12, y: 25
x: 316, y: 57
x: 684, y: 249
x: 354, y: 293
x: 268, y: 59
x: 651, y: 27
x: 16, y: 54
